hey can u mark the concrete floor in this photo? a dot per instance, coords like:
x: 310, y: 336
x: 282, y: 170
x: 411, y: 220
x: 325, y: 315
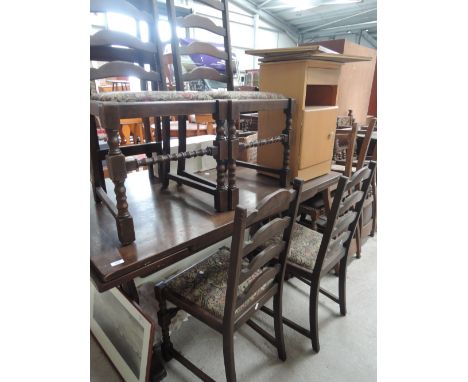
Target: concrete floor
x: 348, y: 344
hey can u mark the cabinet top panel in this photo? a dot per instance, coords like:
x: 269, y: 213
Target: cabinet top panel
x: 312, y: 52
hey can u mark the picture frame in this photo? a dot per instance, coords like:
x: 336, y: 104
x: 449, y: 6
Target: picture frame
x: 124, y: 332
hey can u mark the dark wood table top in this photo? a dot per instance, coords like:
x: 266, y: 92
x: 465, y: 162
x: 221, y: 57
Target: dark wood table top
x: 171, y: 224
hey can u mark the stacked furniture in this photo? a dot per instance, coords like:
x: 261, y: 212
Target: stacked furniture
x: 225, y: 106
x: 311, y: 76
x: 358, y: 82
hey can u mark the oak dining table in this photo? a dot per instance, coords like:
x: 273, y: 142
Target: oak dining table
x: 170, y: 224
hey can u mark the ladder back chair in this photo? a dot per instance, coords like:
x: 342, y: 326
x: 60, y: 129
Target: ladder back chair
x: 363, y: 156
x: 312, y: 254
x: 119, y: 52
x: 225, y: 290
x: 202, y: 72
x: 225, y: 74
x: 197, y: 47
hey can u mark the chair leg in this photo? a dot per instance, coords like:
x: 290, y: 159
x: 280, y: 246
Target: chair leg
x: 313, y: 315
x: 228, y: 351
x: 278, y: 319
x: 358, y: 239
x: 374, y: 209
x: 164, y: 322
x: 342, y: 285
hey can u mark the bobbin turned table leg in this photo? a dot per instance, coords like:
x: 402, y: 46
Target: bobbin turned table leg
x: 117, y: 173
x: 97, y: 173
x: 166, y: 136
x: 284, y: 176
x: 221, y: 194
x: 233, y: 150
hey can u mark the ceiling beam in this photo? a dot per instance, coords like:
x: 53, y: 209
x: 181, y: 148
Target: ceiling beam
x: 318, y: 27
x: 335, y: 30
x: 264, y: 3
x: 269, y: 18
x: 370, y: 39
x: 324, y: 17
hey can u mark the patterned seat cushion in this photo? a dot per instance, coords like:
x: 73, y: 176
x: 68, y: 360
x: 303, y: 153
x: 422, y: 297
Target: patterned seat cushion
x: 147, y: 96
x: 244, y: 95
x: 305, y: 244
x: 205, y: 283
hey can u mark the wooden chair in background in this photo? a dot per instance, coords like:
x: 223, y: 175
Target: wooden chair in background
x: 119, y: 52
x: 197, y: 47
x: 312, y: 254
x: 367, y: 226
x: 224, y: 291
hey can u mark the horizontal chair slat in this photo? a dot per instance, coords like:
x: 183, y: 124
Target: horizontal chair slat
x: 266, y: 232
x: 261, y: 259
x: 119, y: 6
x: 350, y: 201
x: 108, y: 37
x: 338, y: 242
x: 201, y: 73
x: 197, y: 21
x: 198, y: 47
x: 277, y: 201
x: 359, y: 176
x: 267, y: 275
x: 343, y: 222
x: 122, y: 68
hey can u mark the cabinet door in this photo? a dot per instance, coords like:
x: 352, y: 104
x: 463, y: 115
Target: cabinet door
x: 318, y: 135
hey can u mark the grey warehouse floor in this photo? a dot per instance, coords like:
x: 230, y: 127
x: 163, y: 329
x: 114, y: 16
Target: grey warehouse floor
x: 348, y: 344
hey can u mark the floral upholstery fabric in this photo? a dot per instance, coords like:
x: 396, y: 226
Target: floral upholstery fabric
x: 205, y: 283
x: 305, y: 244
x: 147, y: 96
x: 243, y: 95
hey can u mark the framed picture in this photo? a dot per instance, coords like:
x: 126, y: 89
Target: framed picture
x: 124, y: 332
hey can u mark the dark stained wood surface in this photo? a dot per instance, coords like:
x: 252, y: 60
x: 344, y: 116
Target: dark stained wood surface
x: 170, y: 224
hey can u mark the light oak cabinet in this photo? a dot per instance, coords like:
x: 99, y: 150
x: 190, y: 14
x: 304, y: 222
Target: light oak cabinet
x: 314, y: 85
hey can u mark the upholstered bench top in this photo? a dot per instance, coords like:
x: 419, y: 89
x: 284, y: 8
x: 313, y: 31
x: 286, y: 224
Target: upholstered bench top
x: 244, y: 95
x: 147, y: 96
x: 205, y: 283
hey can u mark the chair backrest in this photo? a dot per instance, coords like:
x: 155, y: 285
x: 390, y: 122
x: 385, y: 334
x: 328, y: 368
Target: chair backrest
x: 268, y: 264
x: 201, y: 72
x: 122, y: 50
x: 343, y: 218
x: 365, y: 143
x: 345, y: 142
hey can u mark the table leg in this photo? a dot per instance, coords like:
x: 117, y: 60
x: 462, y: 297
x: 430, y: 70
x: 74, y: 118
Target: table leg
x: 284, y: 176
x: 118, y: 174
x: 221, y: 195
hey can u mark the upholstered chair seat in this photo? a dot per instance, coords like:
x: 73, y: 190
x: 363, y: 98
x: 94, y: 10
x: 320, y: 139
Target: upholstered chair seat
x: 153, y: 96
x: 305, y: 245
x: 205, y: 284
